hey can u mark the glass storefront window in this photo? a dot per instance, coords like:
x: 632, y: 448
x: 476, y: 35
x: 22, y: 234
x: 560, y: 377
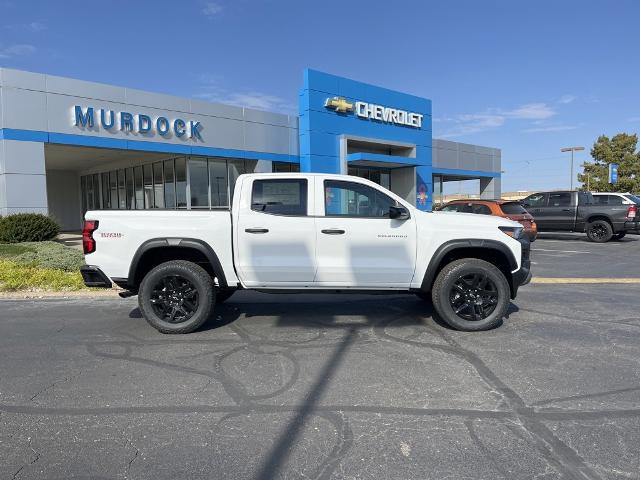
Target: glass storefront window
x: 199, y: 183
x: 218, y: 183
x: 113, y: 189
x: 158, y: 185
x: 131, y: 199
x: 169, y: 185
x: 164, y: 184
x: 139, y: 186
x: 148, y: 186
x: 181, y: 182
x: 122, y: 198
x: 106, y: 198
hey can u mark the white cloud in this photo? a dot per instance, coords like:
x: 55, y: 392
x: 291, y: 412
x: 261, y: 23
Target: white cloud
x: 531, y: 111
x: 211, y: 9
x: 551, y: 128
x: 16, y: 50
x: 31, y: 27
x: 468, y: 123
x: 567, y: 99
x: 213, y: 92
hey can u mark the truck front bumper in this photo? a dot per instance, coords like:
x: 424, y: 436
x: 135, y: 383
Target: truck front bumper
x: 94, y: 277
x: 523, y: 275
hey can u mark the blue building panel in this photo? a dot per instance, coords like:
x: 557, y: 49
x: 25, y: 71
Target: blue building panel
x: 329, y: 107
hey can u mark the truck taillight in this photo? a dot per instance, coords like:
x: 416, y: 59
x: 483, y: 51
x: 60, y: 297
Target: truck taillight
x: 632, y: 211
x: 88, y: 243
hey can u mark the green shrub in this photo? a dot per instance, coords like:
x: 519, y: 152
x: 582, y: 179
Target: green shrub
x: 27, y: 227
x: 15, y: 277
x: 44, y: 255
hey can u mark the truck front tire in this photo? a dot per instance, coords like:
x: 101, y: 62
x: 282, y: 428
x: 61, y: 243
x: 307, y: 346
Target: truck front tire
x: 599, y: 231
x: 471, y: 295
x: 177, y: 297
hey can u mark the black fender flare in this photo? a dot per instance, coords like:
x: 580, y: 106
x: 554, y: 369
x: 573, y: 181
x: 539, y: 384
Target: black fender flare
x: 458, y: 244
x: 177, y: 242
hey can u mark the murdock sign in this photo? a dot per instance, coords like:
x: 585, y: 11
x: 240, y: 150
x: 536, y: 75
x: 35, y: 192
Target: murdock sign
x: 139, y: 123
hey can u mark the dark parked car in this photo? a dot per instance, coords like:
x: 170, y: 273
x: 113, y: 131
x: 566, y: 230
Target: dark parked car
x: 572, y: 211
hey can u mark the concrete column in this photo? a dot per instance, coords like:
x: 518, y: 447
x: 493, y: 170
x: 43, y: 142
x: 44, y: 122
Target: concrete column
x: 490, y: 188
x: 23, y: 184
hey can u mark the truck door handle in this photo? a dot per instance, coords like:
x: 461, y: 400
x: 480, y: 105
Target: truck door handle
x: 333, y: 231
x: 566, y: 209
x: 256, y: 230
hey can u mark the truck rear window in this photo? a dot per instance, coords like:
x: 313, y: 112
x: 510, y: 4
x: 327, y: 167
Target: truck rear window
x: 513, y: 208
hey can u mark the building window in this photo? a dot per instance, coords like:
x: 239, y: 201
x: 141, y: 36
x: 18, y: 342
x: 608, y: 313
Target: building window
x: 169, y: 185
x: 199, y: 183
x: 285, y: 167
x: 381, y: 176
x: 158, y: 185
x: 139, y: 184
x: 106, y: 198
x: 195, y: 182
x: 113, y: 189
x: 131, y: 199
x: 218, y: 183
x: 181, y: 183
x: 122, y: 204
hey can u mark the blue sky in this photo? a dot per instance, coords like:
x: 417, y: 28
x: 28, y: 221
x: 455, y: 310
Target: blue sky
x: 526, y: 77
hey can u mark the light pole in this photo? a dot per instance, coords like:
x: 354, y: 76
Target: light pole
x: 572, y: 149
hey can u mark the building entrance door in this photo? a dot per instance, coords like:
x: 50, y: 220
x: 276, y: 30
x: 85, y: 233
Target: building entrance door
x: 381, y: 176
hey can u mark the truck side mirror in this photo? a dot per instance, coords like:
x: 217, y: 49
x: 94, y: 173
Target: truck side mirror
x: 398, y: 213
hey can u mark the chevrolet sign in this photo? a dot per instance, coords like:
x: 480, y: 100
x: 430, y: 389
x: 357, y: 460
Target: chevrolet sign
x: 389, y: 115
x: 375, y: 112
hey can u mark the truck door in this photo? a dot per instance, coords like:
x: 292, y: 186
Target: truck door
x: 536, y: 205
x: 358, y: 245
x: 276, y: 238
x: 560, y: 211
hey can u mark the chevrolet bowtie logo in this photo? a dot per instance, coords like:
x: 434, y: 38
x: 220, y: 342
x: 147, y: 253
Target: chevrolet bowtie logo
x: 339, y: 104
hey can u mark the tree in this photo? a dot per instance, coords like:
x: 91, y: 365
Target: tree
x: 620, y: 149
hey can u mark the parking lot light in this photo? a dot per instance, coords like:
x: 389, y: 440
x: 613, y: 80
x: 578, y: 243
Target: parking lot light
x: 571, y: 149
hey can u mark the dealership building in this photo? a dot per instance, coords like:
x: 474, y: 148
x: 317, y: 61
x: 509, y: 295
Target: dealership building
x: 67, y: 146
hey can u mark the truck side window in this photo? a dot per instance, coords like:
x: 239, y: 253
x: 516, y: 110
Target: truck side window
x: 286, y: 196
x: 560, y: 199
x: 350, y: 199
x: 536, y: 200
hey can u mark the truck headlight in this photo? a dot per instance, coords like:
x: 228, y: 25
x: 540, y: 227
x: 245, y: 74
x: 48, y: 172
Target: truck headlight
x: 513, y: 232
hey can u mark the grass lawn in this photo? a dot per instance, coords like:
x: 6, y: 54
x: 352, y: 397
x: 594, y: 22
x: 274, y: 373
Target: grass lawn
x: 39, y: 266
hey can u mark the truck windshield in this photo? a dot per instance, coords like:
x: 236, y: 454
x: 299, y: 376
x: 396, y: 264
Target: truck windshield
x: 634, y: 198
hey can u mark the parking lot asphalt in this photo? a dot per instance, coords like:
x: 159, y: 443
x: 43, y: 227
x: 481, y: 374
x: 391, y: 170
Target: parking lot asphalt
x: 332, y: 387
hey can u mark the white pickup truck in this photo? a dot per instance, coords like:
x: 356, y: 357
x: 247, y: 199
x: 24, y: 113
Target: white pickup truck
x: 306, y: 233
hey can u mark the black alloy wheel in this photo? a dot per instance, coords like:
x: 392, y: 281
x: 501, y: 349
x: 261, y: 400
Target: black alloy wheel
x: 473, y: 296
x: 174, y: 299
x: 598, y: 232
x: 177, y: 296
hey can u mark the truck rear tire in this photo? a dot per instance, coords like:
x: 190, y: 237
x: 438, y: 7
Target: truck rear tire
x: 471, y: 295
x: 177, y: 297
x: 599, y: 231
